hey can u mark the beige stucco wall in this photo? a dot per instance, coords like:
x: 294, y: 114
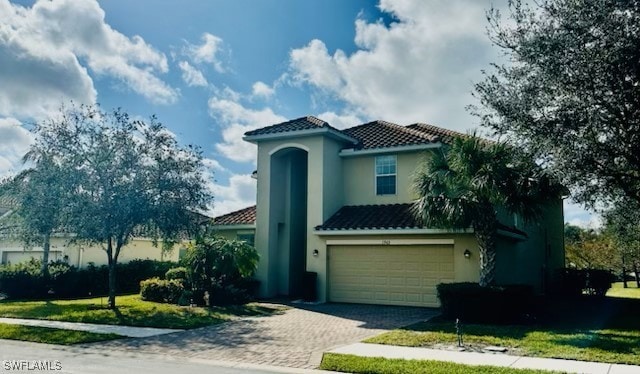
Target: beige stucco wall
x: 81, y: 254
x: 360, y: 183
x: 324, y: 197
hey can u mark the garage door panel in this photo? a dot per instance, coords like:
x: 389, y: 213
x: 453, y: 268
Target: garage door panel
x: 395, y: 275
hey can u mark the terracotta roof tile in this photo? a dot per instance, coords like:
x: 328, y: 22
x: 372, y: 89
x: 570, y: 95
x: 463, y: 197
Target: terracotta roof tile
x: 444, y: 135
x: 239, y: 217
x: 380, y: 217
x: 362, y: 217
x: 382, y: 134
x: 302, y: 123
x: 376, y: 134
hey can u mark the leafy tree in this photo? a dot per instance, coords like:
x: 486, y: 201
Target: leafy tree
x: 569, y: 91
x: 622, y: 220
x: 125, y: 177
x: 38, y: 196
x: 590, y: 249
x: 465, y: 185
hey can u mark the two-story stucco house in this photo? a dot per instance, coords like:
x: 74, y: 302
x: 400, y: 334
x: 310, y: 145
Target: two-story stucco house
x: 338, y: 203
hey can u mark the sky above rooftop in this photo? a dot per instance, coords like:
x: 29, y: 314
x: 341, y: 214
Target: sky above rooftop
x: 212, y: 70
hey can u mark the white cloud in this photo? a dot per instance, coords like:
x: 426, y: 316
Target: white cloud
x: 192, y: 76
x: 577, y: 215
x: 421, y: 67
x: 45, y: 51
x: 234, y: 120
x: 207, y: 52
x: 240, y: 193
x: 14, y: 144
x: 261, y: 89
x: 341, y: 121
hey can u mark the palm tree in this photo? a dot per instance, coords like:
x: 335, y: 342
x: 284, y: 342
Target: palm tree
x: 463, y: 185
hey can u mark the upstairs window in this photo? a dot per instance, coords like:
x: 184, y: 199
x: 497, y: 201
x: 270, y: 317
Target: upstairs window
x: 386, y: 175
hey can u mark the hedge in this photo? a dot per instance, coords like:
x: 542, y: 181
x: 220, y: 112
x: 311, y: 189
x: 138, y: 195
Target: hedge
x: 24, y: 281
x: 574, y: 282
x: 492, y: 304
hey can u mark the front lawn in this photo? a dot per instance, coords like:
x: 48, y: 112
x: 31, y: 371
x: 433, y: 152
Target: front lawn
x: 131, y: 311
x: 618, y: 290
x: 590, y: 329
x: 51, y: 336
x: 356, y: 364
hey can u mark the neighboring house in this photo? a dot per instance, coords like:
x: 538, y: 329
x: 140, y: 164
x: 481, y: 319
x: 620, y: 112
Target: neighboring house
x: 12, y: 250
x: 339, y: 203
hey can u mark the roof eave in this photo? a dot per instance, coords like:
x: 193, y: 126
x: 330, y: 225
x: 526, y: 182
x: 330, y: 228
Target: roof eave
x: 237, y: 226
x: 301, y: 133
x: 350, y: 152
x: 389, y: 231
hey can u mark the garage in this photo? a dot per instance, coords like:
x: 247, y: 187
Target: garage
x: 388, y: 274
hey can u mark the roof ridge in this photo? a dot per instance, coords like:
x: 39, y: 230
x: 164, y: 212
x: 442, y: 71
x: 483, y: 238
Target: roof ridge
x: 315, y: 120
x: 436, y: 128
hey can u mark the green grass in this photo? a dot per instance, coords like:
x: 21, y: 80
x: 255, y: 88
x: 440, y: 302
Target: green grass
x: 604, y: 330
x: 618, y: 290
x: 51, y: 336
x: 131, y: 311
x: 356, y: 364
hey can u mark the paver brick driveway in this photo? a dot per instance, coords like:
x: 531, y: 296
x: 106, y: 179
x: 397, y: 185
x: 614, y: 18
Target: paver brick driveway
x: 295, y: 338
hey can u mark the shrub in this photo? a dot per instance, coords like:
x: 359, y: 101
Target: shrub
x: 241, y: 291
x: 131, y: 273
x: 24, y: 281
x: 493, y: 304
x: 179, y: 273
x: 161, y: 290
x: 598, y: 282
x: 574, y: 282
x: 222, y: 269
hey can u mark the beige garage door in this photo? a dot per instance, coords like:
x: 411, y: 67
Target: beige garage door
x: 391, y: 275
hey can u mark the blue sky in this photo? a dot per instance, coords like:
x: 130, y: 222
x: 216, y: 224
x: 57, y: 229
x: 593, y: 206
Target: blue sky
x: 211, y: 70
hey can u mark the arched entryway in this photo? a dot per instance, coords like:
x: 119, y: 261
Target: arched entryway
x: 288, y: 219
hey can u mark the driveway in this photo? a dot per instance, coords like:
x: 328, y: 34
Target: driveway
x: 295, y: 338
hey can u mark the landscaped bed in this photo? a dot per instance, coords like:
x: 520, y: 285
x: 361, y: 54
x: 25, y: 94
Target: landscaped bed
x: 49, y: 335
x: 131, y: 311
x: 356, y: 364
x: 590, y: 329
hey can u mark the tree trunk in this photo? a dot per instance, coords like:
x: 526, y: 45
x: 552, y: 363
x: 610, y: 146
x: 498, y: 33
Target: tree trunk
x: 44, y: 269
x: 635, y: 270
x: 111, y: 303
x: 485, y: 232
x: 624, y: 273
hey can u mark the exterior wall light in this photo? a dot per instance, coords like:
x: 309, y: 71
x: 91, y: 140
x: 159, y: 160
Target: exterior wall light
x: 467, y: 254
x: 315, y: 253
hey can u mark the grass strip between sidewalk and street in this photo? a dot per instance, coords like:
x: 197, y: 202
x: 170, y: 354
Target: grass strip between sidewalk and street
x: 51, y: 335
x: 378, y: 365
x: 585, y: 329
x: 130, y: 311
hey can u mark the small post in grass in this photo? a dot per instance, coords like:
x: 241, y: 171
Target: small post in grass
x: 459, y: 332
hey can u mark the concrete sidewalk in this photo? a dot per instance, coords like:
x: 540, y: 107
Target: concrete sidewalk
x: 491, y: 359
x: 128, y: 331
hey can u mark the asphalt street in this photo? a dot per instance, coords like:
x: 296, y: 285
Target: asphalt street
x: 21, y: 357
